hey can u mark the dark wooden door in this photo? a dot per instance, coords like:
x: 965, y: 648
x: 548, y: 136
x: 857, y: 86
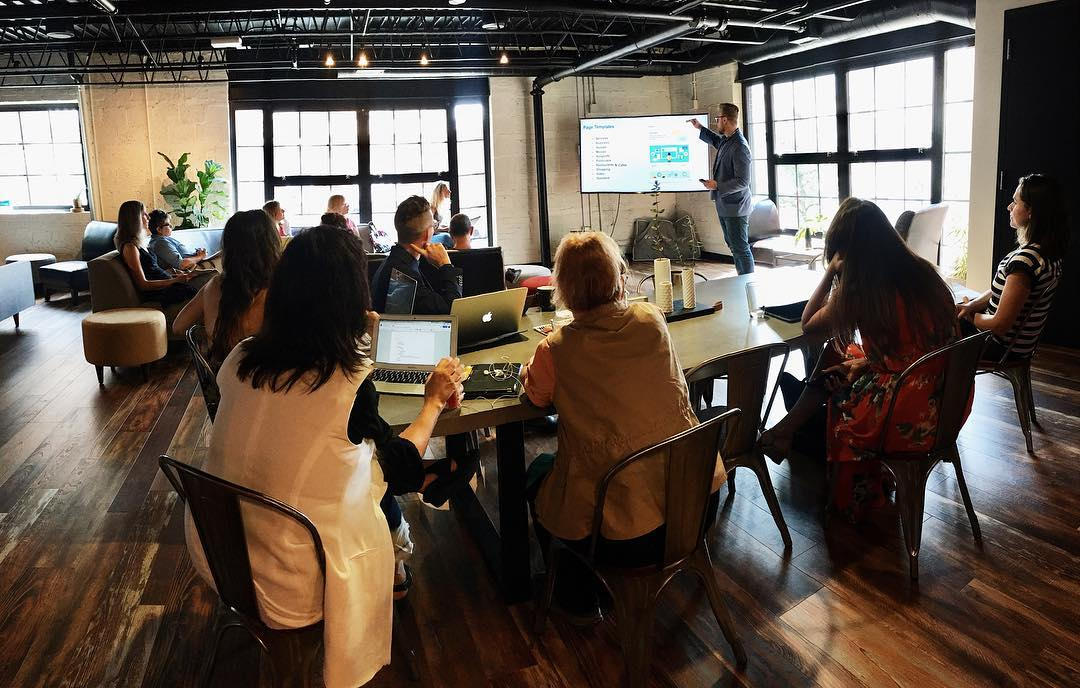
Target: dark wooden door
x: 1040, y: 121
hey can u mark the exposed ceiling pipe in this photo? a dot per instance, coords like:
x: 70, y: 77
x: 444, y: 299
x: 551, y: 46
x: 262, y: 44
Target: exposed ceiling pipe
x: 639, y: 45
x: 870, y: 23
x: 825, y: 10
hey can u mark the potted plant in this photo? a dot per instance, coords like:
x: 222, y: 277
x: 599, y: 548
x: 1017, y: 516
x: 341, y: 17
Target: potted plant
x: 195, y: 203
x: 813, y: 227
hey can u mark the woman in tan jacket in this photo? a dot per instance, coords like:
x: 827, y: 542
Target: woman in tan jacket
x: 617, y: 384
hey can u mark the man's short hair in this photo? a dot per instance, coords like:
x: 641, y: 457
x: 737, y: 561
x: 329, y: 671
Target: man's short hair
x: 407, y: 211
x: 334, y: 220
x: 460, y: 225
x: 730, y: 110
x: 156, y: 218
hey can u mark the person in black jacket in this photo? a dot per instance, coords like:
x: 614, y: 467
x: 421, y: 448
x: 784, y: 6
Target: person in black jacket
x: 438, y: 282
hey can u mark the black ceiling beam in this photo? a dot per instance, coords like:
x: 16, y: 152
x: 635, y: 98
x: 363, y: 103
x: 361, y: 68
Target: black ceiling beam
x: 137, y: 8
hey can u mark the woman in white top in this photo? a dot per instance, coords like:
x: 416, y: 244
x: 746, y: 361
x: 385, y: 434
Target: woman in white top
x: 440, y: 198
x: 287, y: 397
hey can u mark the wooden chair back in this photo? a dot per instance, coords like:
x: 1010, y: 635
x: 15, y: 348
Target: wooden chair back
x: 215, y: 507
x: 689, y: 460
x: 747, y: 374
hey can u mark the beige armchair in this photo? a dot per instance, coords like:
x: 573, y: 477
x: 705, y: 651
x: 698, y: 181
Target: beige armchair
x: 111, y: 287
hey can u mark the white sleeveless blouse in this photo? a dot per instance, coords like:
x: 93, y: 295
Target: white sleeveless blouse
x: 294, y: 447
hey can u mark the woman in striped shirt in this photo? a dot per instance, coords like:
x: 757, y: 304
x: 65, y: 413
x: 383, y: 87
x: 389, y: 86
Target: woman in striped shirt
x: 1017, y: 303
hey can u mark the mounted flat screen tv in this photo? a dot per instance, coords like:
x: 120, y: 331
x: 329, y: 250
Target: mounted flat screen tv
x: 631, y: 154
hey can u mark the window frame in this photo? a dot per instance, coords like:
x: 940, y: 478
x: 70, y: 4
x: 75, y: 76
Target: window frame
x: 59, y: 105
x: 364, y: 179
x: 843, y: 158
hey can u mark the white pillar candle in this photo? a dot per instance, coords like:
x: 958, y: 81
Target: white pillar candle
x: 664, y: 297
x: 689, y: 291
x: 661, y: 271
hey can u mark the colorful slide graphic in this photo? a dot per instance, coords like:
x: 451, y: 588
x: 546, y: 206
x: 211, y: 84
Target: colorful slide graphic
x: 631, y: 154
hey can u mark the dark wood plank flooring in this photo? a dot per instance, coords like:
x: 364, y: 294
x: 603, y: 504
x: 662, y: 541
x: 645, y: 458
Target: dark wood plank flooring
x: 96, y: 588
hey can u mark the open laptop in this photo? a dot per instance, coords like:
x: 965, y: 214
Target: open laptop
x: 406, y: 349
x: 489, y: 318
x: 400, y: 293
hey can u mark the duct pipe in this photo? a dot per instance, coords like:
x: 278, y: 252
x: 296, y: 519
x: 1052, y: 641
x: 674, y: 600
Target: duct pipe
x: 541, y: 175
x: 636, y: 46
x: 870, y: 23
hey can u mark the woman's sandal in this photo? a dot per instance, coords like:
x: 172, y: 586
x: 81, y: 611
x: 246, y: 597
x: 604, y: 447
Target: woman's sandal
x: 449, y: 480
x: 770, y: 448
x: 402, y: 589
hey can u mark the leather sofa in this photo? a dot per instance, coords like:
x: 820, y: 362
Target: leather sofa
x: 111, y: 285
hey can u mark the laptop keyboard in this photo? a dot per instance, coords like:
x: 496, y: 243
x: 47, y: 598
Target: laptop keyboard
x: 406, y: 377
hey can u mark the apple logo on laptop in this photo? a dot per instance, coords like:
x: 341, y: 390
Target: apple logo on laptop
x: 486, y: 317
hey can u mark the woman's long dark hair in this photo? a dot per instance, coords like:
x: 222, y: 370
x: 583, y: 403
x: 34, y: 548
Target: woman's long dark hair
x: 1048, y: 226
x: 316, y: 313
x: 128, y: 224
x: 879, y: 276
x: 251, y: 252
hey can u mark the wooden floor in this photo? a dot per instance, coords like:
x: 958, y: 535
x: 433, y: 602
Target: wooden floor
x: 96, y: 588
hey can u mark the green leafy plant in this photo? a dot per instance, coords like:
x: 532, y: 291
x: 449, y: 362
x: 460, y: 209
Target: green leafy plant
x: 195, y: 204
x: 812, y: 227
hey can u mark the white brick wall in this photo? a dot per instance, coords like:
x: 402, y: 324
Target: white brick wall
x: 126, y: 126
x: 514, y: 174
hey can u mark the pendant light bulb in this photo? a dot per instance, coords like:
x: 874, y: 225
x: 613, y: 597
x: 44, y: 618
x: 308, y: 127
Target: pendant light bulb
x: 504, y: 58
x: 329, y: 60
x: 362, y: 61
x: 423, y: 59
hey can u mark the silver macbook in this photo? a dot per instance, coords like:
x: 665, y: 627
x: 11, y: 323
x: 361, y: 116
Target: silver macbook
x: 488, y: 318
x: 406, y: 349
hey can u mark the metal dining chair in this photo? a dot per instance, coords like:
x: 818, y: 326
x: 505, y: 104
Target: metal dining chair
x: 747, y: 374
x: 207, y: 374
x: 689, y: 460
x: 911, y: 469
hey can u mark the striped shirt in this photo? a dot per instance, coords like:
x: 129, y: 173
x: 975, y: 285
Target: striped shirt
x: 1045, y: 275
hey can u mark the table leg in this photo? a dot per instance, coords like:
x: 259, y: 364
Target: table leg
x: 506, y: 551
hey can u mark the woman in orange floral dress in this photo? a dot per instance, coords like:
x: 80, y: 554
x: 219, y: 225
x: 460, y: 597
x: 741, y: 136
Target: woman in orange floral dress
x: 900, y: 309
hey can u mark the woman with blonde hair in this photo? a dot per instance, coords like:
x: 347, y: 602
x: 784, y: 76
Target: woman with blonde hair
x: 339, y: 206
x: 150, y: 280
x: 440, y: 196
x: 605, y: 415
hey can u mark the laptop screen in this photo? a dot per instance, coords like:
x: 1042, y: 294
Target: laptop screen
x: 415, y: 343
x: 400, y: 293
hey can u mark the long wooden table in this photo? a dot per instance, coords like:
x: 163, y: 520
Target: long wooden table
x: 728, y: 330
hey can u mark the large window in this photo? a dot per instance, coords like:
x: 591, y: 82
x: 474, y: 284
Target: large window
x: 896, y: 131
x: 374, y: 157
x: 41, y: 157
x: 759, y: 145
x: 956, y: 164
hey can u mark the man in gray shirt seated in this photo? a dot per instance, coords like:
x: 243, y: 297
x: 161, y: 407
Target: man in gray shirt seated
x: 171, y: 254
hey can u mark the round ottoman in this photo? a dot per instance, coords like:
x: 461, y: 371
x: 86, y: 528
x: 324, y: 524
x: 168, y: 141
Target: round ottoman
x: 124, y: 337
x: 36, y: 260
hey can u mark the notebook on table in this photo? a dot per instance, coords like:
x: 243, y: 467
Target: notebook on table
x: 406, y: 349
x: 788, y: 312
x: 489, y: 319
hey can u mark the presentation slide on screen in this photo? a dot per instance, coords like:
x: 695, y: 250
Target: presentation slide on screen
x: 630, y: 154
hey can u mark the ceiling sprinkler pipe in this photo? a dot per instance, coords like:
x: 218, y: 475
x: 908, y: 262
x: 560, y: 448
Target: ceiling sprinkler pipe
x: 636, y: 46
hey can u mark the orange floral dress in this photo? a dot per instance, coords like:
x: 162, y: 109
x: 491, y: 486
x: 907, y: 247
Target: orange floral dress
x: 857, y: 413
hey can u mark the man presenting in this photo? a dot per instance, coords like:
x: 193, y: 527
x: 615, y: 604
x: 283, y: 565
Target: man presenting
x: 729, y: 187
